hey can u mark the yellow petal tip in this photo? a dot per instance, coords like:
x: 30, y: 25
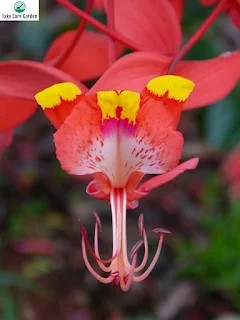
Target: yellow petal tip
x: 51, y: 97
x: 176, y: 87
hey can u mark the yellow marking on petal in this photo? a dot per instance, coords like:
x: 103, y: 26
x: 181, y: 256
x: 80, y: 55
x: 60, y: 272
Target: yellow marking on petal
x: 51, y: 97
x: 129, y: 101
x: 177, y: 88
x: 108, y: 102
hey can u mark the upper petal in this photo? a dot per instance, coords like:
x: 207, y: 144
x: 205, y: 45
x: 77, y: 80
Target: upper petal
x: 213, y: 78
x: 89, y: 57
x: 19, y: 82
x: 132, y: 72
x: 153, y: 25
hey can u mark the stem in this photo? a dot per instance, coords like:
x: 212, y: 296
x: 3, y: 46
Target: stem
x: 207, y: 23
x: 112, y: 54
x: 60, y: 59
x: 98, y: 25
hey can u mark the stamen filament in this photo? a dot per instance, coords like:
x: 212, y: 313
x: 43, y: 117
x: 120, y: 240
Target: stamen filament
x: 154, y: 261
x: 120, y: 270
x: 93, y: 272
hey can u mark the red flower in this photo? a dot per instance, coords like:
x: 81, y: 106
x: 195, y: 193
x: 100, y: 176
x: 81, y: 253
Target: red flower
x: 232, y: 9
x: 118, y: 136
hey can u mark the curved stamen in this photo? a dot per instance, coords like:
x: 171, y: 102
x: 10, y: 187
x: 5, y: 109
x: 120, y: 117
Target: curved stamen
x: 91, y: 270
x: 84, y: 236
x: 98, y: 227
x: 157, y: 254
x: 142, y: 233
x: 145, y: 258
x: 127, y: 280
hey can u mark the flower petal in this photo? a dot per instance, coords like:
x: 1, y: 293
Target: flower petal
x: 75, y: 140
x: 5, y: 139
x: 213, y: 78
x: 58, y: 101
x: 171, y: 91
x: 14, y: 111
x: 178, y: 6
x: 118, y: 135
x: 157, y: 181
x: 154, y: 26
x: 89, y: 57
x: 20, y: 81
x: 132, y: 72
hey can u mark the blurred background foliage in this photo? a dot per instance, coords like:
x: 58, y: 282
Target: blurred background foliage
x: 42, y: 274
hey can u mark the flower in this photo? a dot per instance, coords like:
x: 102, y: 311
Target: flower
x: 232, y: 9
x: 118, y: 136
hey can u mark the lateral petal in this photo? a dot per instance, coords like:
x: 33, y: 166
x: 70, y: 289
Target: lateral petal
x: 213, y: 78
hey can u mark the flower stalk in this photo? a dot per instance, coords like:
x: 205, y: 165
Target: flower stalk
x: 98, y: 25
x: 64, y: 55
x: 112, y: 54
